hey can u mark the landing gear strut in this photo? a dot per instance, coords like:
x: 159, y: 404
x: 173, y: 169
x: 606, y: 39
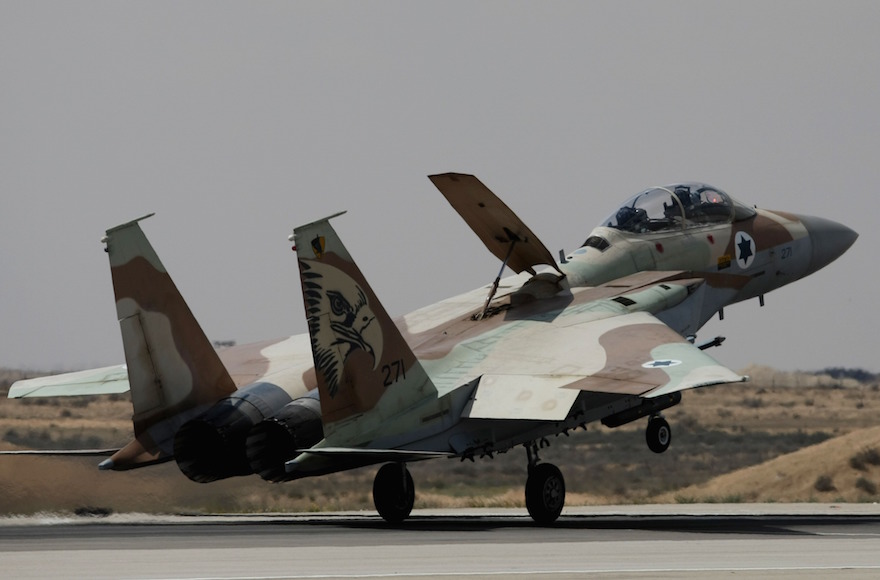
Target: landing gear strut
x: 393, y: 492
x: 545, y: 489
x: 658, y: 434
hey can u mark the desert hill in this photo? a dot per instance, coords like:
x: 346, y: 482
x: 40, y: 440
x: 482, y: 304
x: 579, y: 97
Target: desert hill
x: 841, y: 469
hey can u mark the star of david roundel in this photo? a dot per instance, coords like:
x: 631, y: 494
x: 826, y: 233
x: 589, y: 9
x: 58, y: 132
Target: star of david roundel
x: 660, y: 364
x: 745, y: 249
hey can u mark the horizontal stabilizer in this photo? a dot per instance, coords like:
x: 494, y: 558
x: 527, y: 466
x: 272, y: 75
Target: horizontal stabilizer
x: 495, y: 223
x: 62, y: 452
x: 103, y: 381
x: 379, y: 455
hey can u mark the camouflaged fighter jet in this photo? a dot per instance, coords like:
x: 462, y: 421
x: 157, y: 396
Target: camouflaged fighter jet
x: 606, y: 334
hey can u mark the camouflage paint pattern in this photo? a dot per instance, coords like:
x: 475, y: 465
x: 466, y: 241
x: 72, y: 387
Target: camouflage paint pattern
x: 589, y: 342
x: 174, y: 372
x: 599, y: 334
x: 360, y: 356
x: 597, y: 326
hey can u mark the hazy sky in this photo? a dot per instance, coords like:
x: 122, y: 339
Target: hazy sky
x: 235, y: 122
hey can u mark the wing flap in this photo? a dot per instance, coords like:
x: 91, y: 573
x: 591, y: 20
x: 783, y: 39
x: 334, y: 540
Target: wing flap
x: 528, y: 397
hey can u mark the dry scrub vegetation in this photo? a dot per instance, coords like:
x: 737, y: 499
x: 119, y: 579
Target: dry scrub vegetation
x: 780, y: 437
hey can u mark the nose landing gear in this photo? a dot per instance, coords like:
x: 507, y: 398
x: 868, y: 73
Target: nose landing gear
x: 658, y: 435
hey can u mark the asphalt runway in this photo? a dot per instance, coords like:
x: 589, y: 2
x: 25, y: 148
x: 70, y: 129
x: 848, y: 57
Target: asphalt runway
x: 814, y: 541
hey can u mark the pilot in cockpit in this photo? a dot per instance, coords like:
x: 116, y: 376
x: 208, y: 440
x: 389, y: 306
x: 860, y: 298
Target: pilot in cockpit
x: 632, y: 219
x: 688, y: 199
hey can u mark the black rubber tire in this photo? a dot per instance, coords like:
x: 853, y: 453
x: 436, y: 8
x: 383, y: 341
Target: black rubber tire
x: 658, y: 435
x: 393, y: 492
x: 545, y: 493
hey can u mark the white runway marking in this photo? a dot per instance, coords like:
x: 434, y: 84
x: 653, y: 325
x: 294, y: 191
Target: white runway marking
x: 528, y: 573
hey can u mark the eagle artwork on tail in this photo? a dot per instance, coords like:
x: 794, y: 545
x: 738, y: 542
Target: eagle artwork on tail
x: 340, y: 320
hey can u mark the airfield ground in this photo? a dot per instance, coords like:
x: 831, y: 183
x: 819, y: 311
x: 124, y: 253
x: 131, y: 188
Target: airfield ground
x: 783, y: 437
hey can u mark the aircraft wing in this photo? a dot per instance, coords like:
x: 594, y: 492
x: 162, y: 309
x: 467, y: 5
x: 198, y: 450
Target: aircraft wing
x: 103, y: 381
x: 537, y: 370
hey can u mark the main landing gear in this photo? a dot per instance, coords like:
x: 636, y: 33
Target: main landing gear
x: 545, y: 493
x: 545, y: 488
x: 393, y: 492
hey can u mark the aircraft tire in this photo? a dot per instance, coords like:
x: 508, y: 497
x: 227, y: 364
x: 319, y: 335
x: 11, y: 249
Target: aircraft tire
x: 545, y: 493
x: 658, y: 435
x: 393, y: 492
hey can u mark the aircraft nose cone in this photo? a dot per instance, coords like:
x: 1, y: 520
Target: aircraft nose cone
x: 828, y: 238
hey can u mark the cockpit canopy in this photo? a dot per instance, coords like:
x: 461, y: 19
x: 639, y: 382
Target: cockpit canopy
x: 676, y: 207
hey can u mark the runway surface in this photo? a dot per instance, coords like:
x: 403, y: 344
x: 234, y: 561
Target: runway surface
x: 691, y: 541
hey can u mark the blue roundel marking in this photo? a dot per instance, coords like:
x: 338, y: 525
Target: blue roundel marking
x: 745, y: 249
x: 662, y: 363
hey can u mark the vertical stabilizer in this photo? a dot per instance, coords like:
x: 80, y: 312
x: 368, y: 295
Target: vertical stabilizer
x: 366, y: 372
x: 173, y: 369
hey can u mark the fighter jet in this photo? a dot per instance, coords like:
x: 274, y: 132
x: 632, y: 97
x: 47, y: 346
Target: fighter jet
x: 607, y: 333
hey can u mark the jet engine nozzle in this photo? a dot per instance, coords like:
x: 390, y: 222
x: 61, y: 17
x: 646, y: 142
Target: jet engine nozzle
x: 212, y: 446
x: 274, y: 441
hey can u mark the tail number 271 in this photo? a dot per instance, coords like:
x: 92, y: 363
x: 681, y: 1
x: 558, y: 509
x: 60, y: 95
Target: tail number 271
x: 393, y: 372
